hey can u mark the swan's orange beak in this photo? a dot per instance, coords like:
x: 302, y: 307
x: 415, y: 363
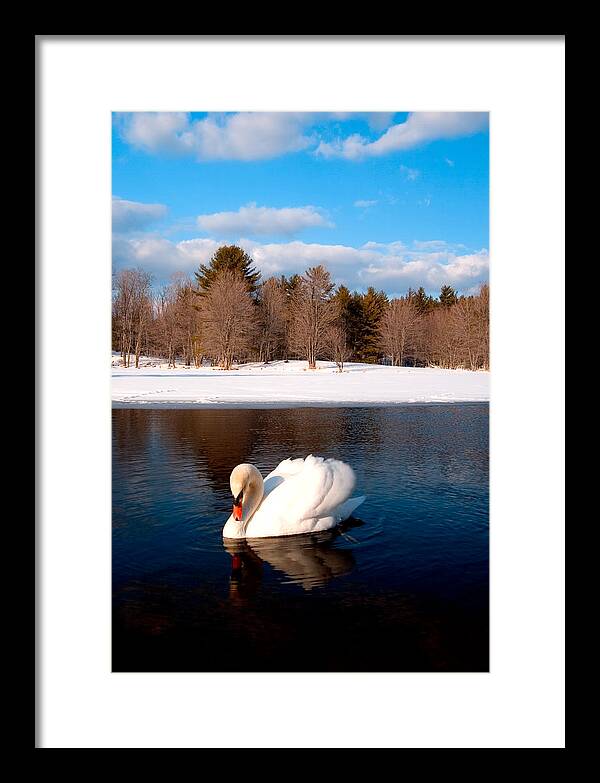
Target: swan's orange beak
x: 237, y: 511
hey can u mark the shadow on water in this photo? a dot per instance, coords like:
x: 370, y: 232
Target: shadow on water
x: 405, y: 591
x: 306, y: 560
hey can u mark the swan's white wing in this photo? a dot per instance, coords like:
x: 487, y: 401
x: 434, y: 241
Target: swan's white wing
x: 307, y: 489
x: 287, y: 468
x: 350, y: 505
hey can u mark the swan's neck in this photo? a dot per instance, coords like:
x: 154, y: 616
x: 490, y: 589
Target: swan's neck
x: 253, y: 495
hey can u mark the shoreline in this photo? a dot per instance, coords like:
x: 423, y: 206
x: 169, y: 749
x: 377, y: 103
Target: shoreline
x: 292, y: 385
x: 283, y: 405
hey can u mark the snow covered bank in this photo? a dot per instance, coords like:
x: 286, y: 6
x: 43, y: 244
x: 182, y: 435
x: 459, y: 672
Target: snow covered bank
x: 291, y: 384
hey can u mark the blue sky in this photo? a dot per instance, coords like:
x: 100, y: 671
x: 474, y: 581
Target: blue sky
x: 394, y: 200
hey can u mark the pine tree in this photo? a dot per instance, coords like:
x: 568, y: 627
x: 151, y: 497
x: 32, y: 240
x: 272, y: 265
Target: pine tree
x: 232, y: 258
x: 290, y: 286
x: 343, y: 297
x: 448, y: 296
x: 422, y: 302
x: 373, y: 306
x: 350, y: 313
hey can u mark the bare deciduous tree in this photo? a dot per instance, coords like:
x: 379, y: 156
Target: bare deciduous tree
x: 271, y: 318
x: 228, y: 319
x: 187, y: 318
x: 336, y: 345
x: 312, y: 314
x: 132, y: 312
x: 458, y: 335
x: 398, y: 330
x: 440, y: 344
x: 483, y: 324
x: 122, y: 314
x: 464, y: 321
x: 165, y: 324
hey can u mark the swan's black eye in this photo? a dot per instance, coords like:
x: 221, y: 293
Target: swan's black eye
x: 238, y: 500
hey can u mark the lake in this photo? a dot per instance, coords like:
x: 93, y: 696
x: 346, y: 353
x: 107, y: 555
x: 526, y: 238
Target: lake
x: 403, y: 588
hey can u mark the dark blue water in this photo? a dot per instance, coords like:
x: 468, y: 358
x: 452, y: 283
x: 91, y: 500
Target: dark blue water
x: 403, y: 588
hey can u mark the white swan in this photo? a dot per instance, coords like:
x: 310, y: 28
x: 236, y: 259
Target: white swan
x: 299, y: 496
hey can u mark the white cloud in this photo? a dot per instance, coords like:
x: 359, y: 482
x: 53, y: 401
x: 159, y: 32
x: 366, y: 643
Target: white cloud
x: 431, y: 270
x: 262, y: 135
x: 161, y: 257
x: 133, y: 215
x: 253, y: 220
x: 450, y: 162
x: 419, y: 128
x: 155, y: 131
x: 365, y: 204
x: 378, y: 264
x: 242, y: 136
x: 390, y: 266
x: 297, y: 256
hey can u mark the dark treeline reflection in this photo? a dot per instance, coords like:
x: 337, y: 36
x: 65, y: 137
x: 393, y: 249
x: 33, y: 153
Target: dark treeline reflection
x: 405, y: 588
x: 216, y: 441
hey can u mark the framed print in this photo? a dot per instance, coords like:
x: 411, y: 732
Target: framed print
x: 306, y: 476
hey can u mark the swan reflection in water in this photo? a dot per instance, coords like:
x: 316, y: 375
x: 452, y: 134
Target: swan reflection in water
x: 309, y: 560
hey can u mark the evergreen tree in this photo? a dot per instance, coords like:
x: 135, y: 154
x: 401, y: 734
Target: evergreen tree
x: 290, y: 289
x: 350, y: 313
x: 290, y: 286
x: 422, y: 302
x: 448, y: 296
x: 343, y: 297
x: 232, y: 258
x: 372, y: 305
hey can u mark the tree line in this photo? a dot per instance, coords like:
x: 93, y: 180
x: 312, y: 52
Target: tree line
x: 227, y: 314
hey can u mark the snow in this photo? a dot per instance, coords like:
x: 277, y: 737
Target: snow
x: 291, y: 384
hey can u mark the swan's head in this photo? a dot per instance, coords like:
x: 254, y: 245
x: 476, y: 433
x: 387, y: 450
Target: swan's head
x: 247, y: 489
